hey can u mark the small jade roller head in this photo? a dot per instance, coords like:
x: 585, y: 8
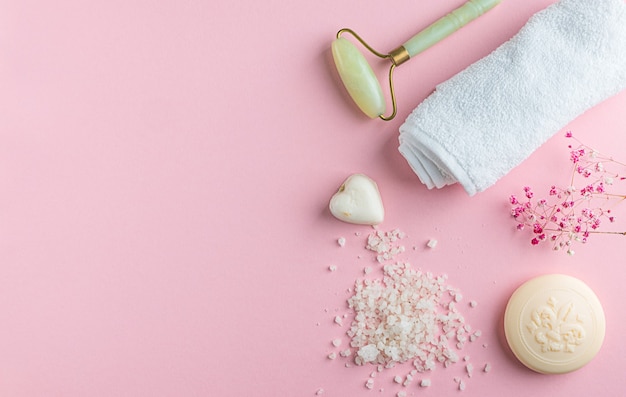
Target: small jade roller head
x: 358, y: 78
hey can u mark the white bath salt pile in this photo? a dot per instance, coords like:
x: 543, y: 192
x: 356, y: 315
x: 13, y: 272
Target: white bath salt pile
x: 385, y: 244
x: 406, y: 316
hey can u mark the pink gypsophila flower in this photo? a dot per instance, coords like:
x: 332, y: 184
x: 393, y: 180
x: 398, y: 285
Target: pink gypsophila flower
x: 569, y: 215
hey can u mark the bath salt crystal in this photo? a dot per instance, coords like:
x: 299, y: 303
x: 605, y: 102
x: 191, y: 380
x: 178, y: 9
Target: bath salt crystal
x: 332, y: 356
x: 368, y: 353
x: 367, y: 270
x: 461, y: 385
x: 370, y: 383
x: 336, y: 342
x: 408, y: 380
x: 487, y: 367
x: 341, y: 241
x: 401, y: 394
x: 319, y: 392
x: 476, y: 335
x: 332, y: 268
x: 432, y: 243
x: 469, y: 368
x: 397, y: 379
x: 425, y: 383
x: 345, y: 353
x: 338, y: 320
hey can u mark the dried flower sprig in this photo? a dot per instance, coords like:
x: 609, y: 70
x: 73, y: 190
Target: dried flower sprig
x: 569, y: 214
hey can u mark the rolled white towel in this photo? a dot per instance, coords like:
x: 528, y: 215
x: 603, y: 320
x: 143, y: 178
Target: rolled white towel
x: 490, y: 117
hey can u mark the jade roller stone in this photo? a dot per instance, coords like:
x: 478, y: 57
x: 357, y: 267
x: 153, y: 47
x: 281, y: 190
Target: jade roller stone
x: 359, y: 78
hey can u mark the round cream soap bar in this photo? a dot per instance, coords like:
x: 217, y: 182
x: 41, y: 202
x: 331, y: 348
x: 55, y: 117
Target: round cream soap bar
x: 554, y: 324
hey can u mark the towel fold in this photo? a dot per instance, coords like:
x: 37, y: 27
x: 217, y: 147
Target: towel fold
x: 490, y: 117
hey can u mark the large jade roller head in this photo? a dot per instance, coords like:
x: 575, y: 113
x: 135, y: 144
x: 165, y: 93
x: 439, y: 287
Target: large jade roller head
x: 357, y: 74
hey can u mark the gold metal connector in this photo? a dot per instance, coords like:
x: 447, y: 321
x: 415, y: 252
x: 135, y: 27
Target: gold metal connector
x: 399, y: 56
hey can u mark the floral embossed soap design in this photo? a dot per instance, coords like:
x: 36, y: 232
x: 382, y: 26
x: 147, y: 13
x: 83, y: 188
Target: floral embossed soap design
x: 557, y: 328
x: 554, y: 324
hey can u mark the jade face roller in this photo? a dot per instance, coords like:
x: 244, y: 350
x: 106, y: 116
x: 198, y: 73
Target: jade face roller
x: 359, y: 78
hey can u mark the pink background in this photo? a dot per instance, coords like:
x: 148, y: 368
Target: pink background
x: 165, y: 169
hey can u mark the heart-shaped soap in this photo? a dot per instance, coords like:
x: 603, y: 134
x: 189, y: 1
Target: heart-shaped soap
x: 358, y: 201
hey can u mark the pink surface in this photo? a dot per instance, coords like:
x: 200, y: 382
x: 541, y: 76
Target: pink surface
x: 165, y: 169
